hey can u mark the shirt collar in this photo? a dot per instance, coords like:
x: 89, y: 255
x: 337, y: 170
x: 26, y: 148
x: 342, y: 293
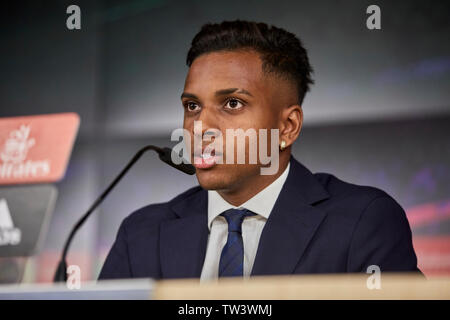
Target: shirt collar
x: 262, y: 203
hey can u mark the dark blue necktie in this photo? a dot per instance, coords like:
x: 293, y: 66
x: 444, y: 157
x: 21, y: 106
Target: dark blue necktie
x: 232, y: 257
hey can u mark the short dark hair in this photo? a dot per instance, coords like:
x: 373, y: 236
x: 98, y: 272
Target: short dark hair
x: 281, y: 51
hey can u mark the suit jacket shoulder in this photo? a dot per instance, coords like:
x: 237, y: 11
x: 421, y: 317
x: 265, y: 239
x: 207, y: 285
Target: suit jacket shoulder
x: 135, y: 252
x: 380, y: 234
x: 158, y: 212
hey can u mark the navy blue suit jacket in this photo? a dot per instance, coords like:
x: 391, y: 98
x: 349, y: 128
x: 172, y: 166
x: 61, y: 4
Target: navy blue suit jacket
x: 319, y: 224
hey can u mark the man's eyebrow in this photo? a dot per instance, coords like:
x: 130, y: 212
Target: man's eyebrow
x: 188, y: 95
x: 217, y: 93
x: 232, y: 90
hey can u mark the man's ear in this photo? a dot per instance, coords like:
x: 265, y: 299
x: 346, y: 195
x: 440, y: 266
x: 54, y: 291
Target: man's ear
x: 291, y: 124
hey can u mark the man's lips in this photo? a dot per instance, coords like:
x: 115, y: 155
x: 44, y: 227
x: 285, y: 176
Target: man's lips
x: 205, y: 160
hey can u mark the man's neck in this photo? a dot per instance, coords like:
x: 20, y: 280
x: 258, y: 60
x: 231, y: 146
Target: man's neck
x: 251, y: 187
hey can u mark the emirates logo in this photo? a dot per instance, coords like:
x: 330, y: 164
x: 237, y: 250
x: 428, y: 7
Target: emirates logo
x: 14, y: 156
x: 17, y: 145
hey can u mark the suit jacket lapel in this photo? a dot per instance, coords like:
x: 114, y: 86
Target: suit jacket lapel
x: 290, y: 227
x: 183, y: 240
x: 291, y: 224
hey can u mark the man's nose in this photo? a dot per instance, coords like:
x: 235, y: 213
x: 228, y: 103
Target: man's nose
x: 209, y: 123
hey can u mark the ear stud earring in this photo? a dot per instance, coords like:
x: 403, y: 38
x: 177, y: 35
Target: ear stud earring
x: 282, y: 145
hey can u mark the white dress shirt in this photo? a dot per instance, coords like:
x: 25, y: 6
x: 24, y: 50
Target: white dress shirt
x: 261, y: 204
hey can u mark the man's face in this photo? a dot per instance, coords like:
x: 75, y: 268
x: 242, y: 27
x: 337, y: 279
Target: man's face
x: 228, y: 90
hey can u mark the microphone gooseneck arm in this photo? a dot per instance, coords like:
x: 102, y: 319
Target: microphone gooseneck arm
x: 164, y: 154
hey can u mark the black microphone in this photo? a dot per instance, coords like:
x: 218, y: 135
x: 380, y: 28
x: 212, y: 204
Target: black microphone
x: 168, y: 154
x: 165, y: 154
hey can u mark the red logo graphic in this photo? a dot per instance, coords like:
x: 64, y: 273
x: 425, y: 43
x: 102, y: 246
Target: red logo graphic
x: 36, y: 149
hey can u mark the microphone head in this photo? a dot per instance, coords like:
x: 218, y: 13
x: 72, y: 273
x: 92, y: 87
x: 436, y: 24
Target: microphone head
x: 167, y: 155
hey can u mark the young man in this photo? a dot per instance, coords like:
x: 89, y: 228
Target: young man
x: 239, y: 222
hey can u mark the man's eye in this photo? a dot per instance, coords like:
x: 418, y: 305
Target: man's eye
x: 191, y: 106
x: 234, y: 104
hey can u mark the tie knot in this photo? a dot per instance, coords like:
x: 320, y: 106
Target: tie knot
x: 235, y: 217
